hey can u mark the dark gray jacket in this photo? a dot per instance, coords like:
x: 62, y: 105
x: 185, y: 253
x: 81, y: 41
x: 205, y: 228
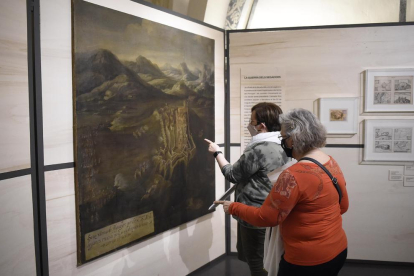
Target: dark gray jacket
x: 249, y: 173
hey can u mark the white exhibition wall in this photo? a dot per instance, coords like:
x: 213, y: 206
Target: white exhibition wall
x: 410, y: 10
x: 14, y: 86
x: 17, y: 251
x: 294, y: 13
x: 178, y: 251
x: 216, y: 11
x: 320, y: 63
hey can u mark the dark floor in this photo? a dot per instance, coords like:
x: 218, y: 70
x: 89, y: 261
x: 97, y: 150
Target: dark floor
x: 230, y: 265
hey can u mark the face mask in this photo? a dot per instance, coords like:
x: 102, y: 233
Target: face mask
x: 287, y: 150
x: 253, y: 131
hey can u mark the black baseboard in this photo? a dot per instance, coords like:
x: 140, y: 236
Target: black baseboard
x: 365, y: 262
x: 213, y: 262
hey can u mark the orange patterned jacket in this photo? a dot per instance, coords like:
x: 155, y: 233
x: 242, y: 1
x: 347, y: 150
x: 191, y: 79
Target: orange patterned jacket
x: 305, y: 204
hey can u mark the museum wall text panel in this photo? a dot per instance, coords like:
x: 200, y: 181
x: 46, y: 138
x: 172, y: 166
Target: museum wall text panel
x: 332, y: 63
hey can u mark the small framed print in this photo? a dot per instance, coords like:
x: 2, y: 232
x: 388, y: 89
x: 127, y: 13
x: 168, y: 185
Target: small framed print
x: 389, y: 90
x: 388, y: 141
x: 339, y: 115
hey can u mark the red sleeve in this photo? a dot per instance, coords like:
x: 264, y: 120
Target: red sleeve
x: 278, y: 204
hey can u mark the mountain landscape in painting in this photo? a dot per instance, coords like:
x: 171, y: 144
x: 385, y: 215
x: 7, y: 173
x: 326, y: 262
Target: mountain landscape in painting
x: 141, y: 113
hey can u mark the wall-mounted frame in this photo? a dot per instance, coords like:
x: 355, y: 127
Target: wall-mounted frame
x: 389, y: 90
x: 388, y: 141
x: 152, y: 87
x: 339, y: 115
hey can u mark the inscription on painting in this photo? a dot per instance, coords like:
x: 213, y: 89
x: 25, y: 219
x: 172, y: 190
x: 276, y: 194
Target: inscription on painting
x: 144, y: 102
x: 110, y: 237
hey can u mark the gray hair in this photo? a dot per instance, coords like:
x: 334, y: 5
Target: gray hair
x: 305, y: 129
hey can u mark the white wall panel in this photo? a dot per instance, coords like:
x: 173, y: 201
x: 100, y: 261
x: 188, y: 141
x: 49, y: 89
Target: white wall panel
x: 59, y: 183
x: 379, y: 222
x: 17, y: 252
x: 174, y: 252
x: 319, y: 63
x: 14, y: 89
x: 329, y: 63
x: 410, y: 11
x: 56, y: 57
x: 280, y: 13
x: 216, y: 12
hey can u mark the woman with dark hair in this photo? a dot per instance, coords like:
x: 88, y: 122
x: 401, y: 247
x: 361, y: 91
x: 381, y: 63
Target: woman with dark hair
x: 261, y: 156
x: 306, y: 202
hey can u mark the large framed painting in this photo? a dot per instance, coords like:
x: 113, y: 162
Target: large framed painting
x: 339, y: 115
x: 389, y: 90
x: 388, y: 141
x: 143, y: 103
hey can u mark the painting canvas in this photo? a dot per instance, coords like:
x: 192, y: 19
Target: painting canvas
x: 143, y: 103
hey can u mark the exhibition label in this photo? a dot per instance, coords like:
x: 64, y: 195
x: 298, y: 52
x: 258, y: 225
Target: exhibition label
x: 258, y: 84
x: 118, y: 234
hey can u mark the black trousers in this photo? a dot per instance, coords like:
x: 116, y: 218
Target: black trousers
x: 330, y: 268
x: 250, y: 248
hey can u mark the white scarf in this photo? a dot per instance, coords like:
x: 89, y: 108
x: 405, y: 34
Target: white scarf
x: 264, y: 137
x: 273, y: 246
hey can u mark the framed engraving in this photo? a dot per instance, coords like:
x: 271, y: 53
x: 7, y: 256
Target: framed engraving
x: 389, y: 90
x: 339, y: 115
x: 388, y: 140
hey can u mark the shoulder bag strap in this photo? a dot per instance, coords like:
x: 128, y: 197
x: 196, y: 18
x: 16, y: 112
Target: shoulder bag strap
x: 334, y: 180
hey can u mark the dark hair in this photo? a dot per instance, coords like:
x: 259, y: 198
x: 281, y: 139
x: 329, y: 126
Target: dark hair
x: 268, y: 113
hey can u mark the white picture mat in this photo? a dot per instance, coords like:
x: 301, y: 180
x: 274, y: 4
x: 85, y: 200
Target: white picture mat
x: 350, y: 126
x: 369, y: 142
x: 369, y: 105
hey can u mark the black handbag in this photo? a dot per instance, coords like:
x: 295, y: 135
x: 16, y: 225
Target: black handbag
x: 334, y: 180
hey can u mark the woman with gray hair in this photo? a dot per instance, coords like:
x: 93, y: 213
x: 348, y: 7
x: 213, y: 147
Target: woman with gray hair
x: 307, y: 201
